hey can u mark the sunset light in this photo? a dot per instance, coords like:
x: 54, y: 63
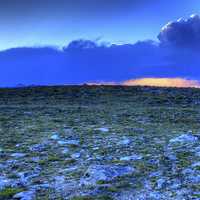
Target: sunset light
x: 163, y: 82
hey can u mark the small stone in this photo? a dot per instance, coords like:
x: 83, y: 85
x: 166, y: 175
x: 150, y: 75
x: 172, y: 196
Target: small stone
x: 154, y: 195
x: 26, y: 178
x: 35, y: 159
x: 105, y: 173
x: 125, y: 141
x: 65, y: 151
x: 197, y: 151
x: 76, y: 155
x: 62, y: 142
x: 73, y: 142
x: 41, y: 186
x: 185, y: 138
x: 59, y: 179
x: 131, y: 158
x: 18, y: 155
x: 70, y: 169
x: 175, y: 184
x: 103, y: 129
x: 197, y: 164
x: 160, y: 183
x: 4, y: 182
x: 2, y: 166
x: 28, y: 113
x: 37, y: 147
x: 26, y: 195
x: 55, y: 137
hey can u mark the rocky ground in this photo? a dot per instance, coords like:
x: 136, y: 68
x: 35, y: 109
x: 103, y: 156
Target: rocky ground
x: 99, y: 143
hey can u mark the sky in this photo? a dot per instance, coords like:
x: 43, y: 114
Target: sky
x: 57, y: 22
x: 103, y: 41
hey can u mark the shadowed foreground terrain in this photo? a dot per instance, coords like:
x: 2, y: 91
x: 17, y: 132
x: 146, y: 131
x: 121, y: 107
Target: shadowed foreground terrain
x: 99, y: 143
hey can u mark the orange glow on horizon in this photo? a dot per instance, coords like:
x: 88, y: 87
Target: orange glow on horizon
x: 102, y: 83
x: 163, y: 82
x: 157, y: 82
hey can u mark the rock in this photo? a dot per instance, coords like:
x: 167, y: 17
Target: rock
x: 185, y: 138
x: 75, y: 155
x: 65, y: 151
x: 193, y: 179
x: 69, y: 142
x: 62, y: 142
x: 160, y: 182
x: 61, y: 184
x: 26, y: 195
x: 2, y: 166
x: 95, y: 148
x: 10, y: 163
x: 197, y: 151
x: 59, y: 180
x: 55, y: 136
x: 197, y: 164
x: 156, y: 174
x: 154, y: 195
x: 40, y: 186
x: 37, y: 147
x: 175, y: 184
x: 103, y: 129
x: 18, y: 155
x: 191, y: 176
x: 66, y: 187
x: 125, y: 141
x: 28, y: 113
x: 70, y: 169
x: 35, y: 159
x: 131, y: 158
x: 105, y: 173
x: 25, y: 178
x: 4, y: 182
x: 182, y: 193
x: 73, y: 142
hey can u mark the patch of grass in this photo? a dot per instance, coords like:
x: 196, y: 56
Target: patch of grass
x: 104, y: 197
x: 184, y: 159
x: 83, y: 198
x: 102, y: 182
x: 42, y: 162
x: 54, y: 158
x: 196, y: 196
x: 112, y: 189
x: 8, y: 193
x: 69, y: 161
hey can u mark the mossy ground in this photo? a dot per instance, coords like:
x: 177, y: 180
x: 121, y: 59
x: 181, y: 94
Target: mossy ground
x: 149, y: 117
x: 8, y: 193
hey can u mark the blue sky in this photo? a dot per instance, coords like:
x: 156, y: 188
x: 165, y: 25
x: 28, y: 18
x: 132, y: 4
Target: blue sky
x: 57, y: 22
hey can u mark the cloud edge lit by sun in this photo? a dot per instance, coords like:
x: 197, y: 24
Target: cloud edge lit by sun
x: 155, y: 82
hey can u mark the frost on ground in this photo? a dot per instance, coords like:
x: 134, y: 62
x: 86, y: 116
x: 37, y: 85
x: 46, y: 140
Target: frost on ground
x: 99, y: 143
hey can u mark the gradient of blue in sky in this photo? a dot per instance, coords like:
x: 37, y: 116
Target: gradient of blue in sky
x: 57, y: 22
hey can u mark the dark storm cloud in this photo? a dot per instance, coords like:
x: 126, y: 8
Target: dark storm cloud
x: 184, y: 33
x: 89, y: 61
x: 85, y: 61
x: 22, y: 7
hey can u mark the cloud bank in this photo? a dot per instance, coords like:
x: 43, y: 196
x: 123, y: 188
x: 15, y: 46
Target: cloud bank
x: 183, y: 33
x: 84, y: 61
